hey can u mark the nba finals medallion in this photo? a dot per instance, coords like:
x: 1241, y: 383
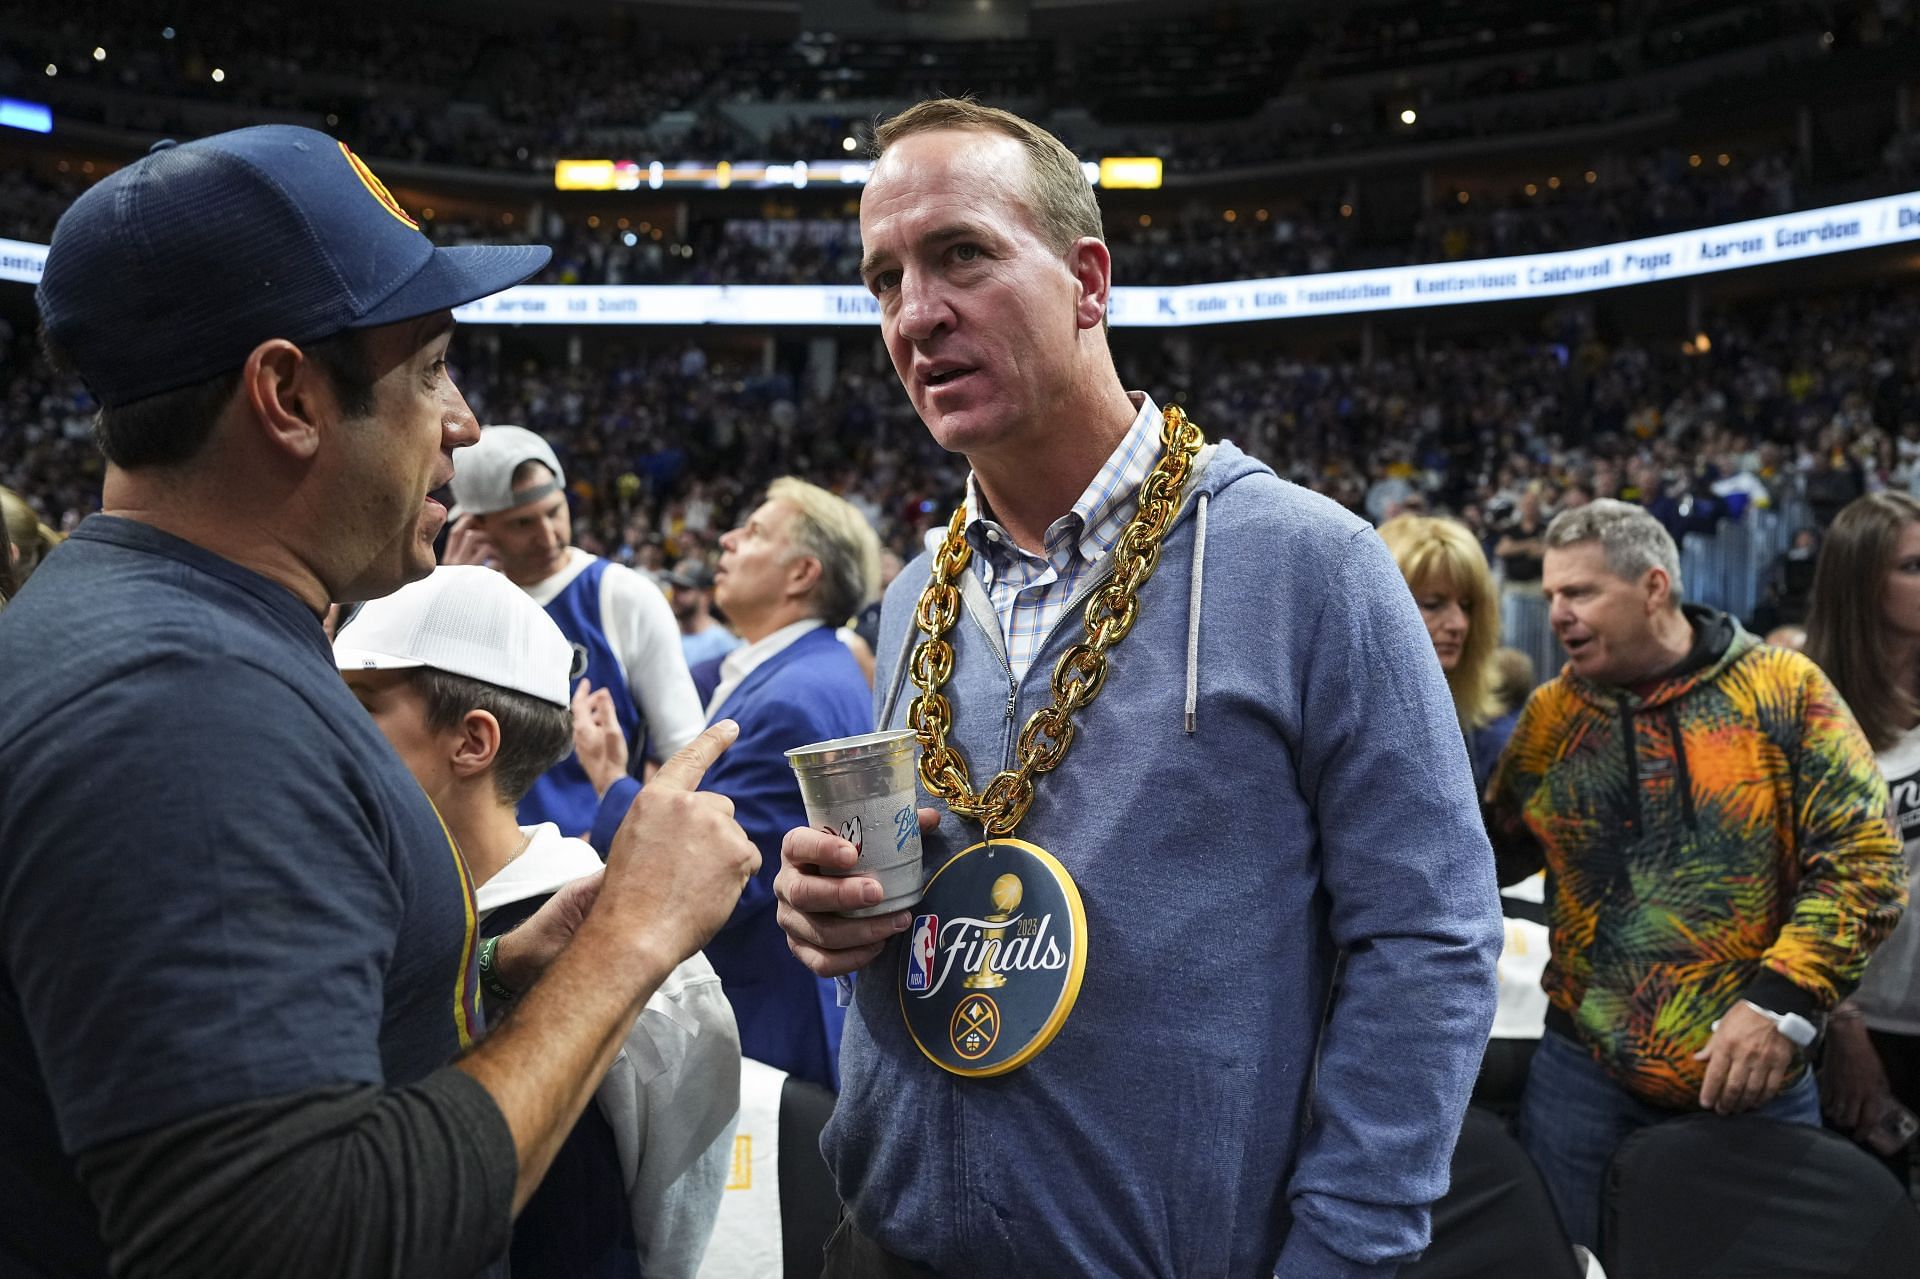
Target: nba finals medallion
x: 994, y: 959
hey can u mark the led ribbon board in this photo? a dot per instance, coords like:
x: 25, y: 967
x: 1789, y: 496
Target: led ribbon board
x: 1786, y: 237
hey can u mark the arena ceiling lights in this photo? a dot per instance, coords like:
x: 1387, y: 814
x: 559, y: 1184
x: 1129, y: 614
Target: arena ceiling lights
x: 630, y: 175
x: 1139, y: 173
x: 1788, y: 237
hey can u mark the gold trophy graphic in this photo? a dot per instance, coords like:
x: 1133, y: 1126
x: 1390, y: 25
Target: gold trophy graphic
x: 1006, y: 899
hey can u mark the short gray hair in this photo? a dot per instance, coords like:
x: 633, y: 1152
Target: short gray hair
x: 1631, y: 538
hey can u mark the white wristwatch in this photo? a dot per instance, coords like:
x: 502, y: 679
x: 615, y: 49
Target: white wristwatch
x: 1795, y: 1027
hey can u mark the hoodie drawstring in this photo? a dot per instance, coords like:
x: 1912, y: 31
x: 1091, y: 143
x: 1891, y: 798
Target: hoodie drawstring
x: 1682, y: 779
x: 1194, y: 589
x: 899, y: 679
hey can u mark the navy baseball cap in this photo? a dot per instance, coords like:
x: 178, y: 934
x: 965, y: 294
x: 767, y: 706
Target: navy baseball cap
x: 174, y: 268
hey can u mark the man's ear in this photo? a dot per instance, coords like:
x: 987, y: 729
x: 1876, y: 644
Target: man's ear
x: 1659, y: 590
x: 477, y: 744
x: 1092, y: 266
x: 803, y: 574
x: 290, y: 396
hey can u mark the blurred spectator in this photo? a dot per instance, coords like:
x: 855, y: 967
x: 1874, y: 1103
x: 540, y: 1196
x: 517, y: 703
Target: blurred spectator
x: 30, y: 539
x: 703, y: 637
x: 1789, y: 583
x: 636, y: 1185
x: 511, y: 500
x: 798, y: 564
x: 1521, y: 546
x: 1516, y: 680
x: 1864, y: 631
x: 1448, y: 576
x: 1747, y: 815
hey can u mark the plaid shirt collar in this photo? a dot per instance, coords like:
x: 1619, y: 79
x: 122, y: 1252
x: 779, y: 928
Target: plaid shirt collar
x: 1097, y: 518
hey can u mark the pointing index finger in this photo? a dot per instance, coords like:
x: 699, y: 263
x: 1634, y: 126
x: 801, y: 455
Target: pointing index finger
x: 691, y: 762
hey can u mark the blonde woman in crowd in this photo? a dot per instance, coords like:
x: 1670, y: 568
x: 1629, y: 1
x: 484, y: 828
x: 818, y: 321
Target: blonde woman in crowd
x: 31, y: 540
x: 1863, y: 628
x: 1447, y: 572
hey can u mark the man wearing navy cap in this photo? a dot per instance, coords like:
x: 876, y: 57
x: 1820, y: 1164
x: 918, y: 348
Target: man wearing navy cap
x: 240, y: 946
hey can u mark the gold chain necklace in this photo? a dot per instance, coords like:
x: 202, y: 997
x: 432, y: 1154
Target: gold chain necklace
x: 1111, y: 612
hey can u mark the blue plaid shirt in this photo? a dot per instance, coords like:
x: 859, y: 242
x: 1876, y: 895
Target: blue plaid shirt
x: 1029, y: 591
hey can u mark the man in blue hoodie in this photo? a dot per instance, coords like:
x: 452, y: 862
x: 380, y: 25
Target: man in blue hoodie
x: 1108, y: 1039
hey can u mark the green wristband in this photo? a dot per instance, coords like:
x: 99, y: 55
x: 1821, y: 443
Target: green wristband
x: 490, y: 976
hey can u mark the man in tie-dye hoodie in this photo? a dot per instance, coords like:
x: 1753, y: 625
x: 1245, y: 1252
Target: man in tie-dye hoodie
x: 1719, y: 858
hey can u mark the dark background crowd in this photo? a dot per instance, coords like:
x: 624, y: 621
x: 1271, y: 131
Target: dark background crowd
x: 1807, y: 403
x: 1295, y: 140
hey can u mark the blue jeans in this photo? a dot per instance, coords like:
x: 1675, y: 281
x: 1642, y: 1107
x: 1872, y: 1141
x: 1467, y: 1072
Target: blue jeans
x: 1574, y: 1116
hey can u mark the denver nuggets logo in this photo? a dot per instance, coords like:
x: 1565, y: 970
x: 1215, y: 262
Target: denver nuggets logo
x: 376, y: 187
x: 976, y: 1024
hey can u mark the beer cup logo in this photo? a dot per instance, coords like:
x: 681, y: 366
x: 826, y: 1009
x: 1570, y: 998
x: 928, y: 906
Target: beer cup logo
x: 848, y: 830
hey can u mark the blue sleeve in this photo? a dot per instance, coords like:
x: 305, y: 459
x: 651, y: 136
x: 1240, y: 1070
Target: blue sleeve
x: 755, y: 775
x: 1409, y: 879
x: 1484, y: 745
x: 199, y: 904
x: 706, y: 678
x: 612, y: 811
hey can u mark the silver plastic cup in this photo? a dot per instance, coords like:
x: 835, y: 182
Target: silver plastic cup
x: 861, y: 789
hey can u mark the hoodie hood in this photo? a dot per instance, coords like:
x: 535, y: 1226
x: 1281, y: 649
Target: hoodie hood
x: 1718, y: 642
x: 1216, y: 468
x: 549, y: 863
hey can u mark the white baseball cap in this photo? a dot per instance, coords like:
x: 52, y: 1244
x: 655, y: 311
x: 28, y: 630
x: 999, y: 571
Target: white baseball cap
x: 483, y: 471
x: 464, y: 620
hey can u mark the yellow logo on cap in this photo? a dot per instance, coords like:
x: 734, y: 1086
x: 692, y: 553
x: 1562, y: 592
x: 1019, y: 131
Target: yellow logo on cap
x: 377, y: 187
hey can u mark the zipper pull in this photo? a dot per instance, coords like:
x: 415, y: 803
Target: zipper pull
x: 1013, y: 699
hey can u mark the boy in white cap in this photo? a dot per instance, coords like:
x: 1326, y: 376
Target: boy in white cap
x: 467, y: 677
x: 510, y: 512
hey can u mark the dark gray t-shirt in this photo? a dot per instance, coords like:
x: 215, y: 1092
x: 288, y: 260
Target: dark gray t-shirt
x: 219, y: 884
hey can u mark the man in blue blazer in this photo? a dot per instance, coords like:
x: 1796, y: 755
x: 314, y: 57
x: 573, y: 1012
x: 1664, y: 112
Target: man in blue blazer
x: 802, y: 564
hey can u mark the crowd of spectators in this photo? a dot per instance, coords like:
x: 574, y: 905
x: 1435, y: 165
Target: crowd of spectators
x: 489, y: 92
x: 29, y: 205
x: 668, y: 442
x: 403, y: 83
x: 1795, y: 402
x: 1667, y: 190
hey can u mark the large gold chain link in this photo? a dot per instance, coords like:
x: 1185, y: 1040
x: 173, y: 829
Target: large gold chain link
x: 1111, y: 612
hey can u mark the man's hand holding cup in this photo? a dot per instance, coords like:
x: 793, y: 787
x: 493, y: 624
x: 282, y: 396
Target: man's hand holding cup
x: 815, y: 889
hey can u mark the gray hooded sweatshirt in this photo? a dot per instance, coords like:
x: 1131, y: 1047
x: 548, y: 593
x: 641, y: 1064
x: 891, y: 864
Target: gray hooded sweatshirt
x: 1271, y: 783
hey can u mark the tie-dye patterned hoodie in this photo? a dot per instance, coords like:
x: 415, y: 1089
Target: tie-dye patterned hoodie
x: 1723, y: 837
